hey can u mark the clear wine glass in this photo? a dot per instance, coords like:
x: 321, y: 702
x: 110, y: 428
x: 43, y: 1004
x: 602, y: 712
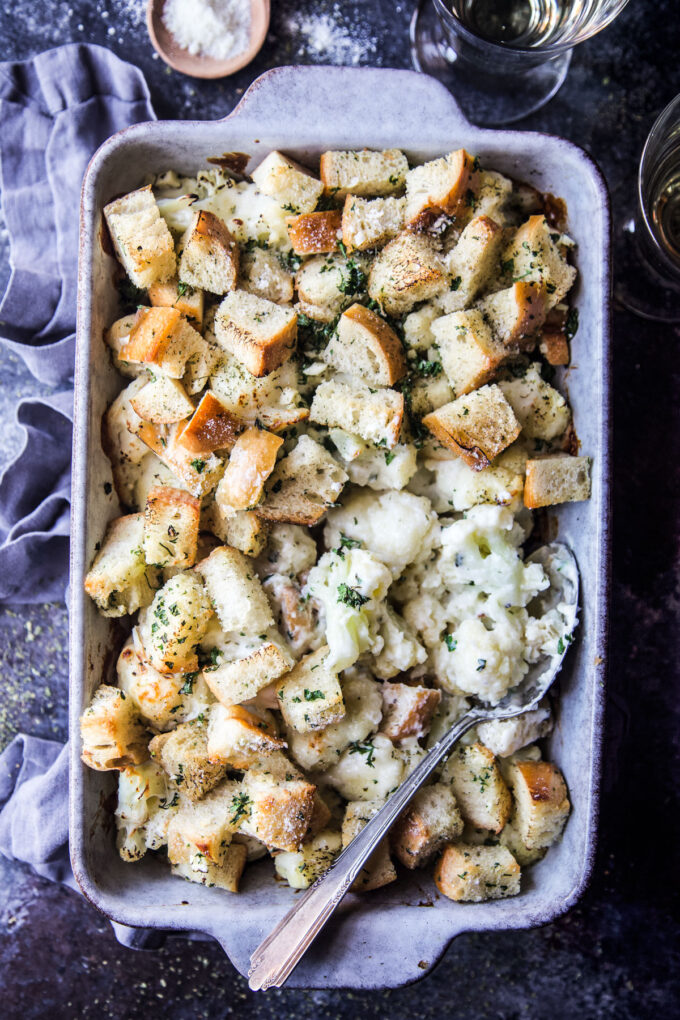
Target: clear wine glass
x: 503, y: 59
x: 649, y: 250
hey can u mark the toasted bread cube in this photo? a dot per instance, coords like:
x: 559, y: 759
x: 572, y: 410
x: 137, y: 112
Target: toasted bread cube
x: 112, y: 732
x: 212, y: 427
x: 536, y: 257
x: 505, y: 736
x: 438, y: 188
x: 378, y: 869
x: 469, y: 353
x: 318, y: 749
x: 210, y: 255
x: 281, y: 803
x: 431, y: 820
x: 365, y: 346
x: 186, y: 299
x: 183, y: 753
x: 162, y: 401
x: 288, y: 182
x: 198, y: 474
x: 558, y: 479
x: 194, y: 867
x: 141, y: 237
x: 363, y: 172
x: 541, y: 802
x: 407, y: 710
x: 482, y: 796
x: 471, y: 874
x: 250, y: 464
x: 310, y: 696
x: 301, y: 869
x: 272, y: 400
x: 492, y: 196
x: 244, y: 530
x: 554, y: 346
x: 511, y: 838
x: 473, y: 262
x: 241, y: 679
x: 260, y: 333
x: 116, y: 337
x: 321, y: 813
x: 315, y: 233
x: 174, y: 624
x: 303, y: 485
x: 375, y: 415
x: 120, y: 580
x: 263, y: 274
x: 200, y: 366
x: 235, y: 591
x: 516, y: 314
x: 407, y: 270
x: 371, y: 223
x: 171, y: 520
x: 240, y: 735
x: 321, y: 284
x: 162, y: 337
x: 541, y: 410
x: 205, y: 825
x: 476, y: 427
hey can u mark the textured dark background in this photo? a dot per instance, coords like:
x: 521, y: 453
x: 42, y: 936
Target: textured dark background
x: 616, y: 954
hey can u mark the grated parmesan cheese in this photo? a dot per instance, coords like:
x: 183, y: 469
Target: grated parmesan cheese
x: 210, y: 28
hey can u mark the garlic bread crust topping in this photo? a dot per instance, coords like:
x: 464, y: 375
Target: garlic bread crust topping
x: 338, y: 406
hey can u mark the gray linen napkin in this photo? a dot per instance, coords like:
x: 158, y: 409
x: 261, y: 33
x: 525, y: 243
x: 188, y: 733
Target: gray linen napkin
x: 55, y: 111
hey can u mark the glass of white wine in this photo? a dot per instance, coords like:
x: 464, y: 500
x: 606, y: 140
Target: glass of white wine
x: 649, y: 268
x: 503, y: 59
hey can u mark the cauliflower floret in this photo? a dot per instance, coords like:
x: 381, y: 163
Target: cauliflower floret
x: 397, y: 527
x: 350, y: 584
x: 147, y: 800
x: 394, y: 648
x: 545, y: 635
x: 290, y: 550
x: 380, y: 469
x: 483, y: 657
x: 368, y: 769
x: 451, y: 485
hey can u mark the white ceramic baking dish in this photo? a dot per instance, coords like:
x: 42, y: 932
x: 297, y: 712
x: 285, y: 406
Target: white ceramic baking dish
x: 388, y: 937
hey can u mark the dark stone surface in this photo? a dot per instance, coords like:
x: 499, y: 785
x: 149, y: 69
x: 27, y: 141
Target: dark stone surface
x: 615, y: 955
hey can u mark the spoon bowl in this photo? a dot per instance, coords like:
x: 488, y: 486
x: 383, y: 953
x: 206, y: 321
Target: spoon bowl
x: 195, y: 64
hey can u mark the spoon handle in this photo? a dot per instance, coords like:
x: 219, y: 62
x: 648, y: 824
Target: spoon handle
x: 277, y: 956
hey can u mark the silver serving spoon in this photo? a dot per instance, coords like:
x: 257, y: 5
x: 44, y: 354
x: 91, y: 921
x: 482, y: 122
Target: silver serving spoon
x: 277, y: 956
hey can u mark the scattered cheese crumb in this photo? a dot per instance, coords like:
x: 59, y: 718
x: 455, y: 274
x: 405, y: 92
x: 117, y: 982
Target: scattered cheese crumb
x: 211, y: 28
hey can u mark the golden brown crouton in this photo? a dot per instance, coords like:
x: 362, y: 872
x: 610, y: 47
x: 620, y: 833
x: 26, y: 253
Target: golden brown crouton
x: 482, y: 796
x: 431, y: 820
x: 240, y: 679
x: 186, y: 299
x: 471, y: 874
x: 315, y: 233
x: 141, y: 237
x: 310, y: 696
x: 554, y: 346
x: 370, y: 223
x: 438, y: 188
x: 212, y: 427
x: 558, y: 479
x: 541, y: 802
x: 112, y: 732
x: 476, y: 427
x: 250, y: 464
x: 194, y: 867
x: 407, y: 710
x: 407, y: 270
x: 363, y: 172
x: 205, y: 825
x: 171, y: 520
x: 210, y: 255
x: 281, y: 803
x: 120, y: 580
x: 235, y: 591
x: 183, y: 753
x: 378, y: 869
x: 241, y: 735
x: 260, y: 333
x: 534, y: 255
x: 175, y: 622
x: 516, y: 314
x: 303, y: 485
x: 469, y: 353
x: 365, y: 346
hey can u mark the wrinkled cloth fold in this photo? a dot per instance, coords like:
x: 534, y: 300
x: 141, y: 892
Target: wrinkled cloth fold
x: 55, y: 111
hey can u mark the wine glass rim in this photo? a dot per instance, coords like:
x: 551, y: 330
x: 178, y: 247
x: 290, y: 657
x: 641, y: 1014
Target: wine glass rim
x: 650, y: 142
x: 549, y: 50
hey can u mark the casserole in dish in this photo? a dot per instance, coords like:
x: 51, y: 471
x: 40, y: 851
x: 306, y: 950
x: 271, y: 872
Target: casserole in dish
x: 420, y: 117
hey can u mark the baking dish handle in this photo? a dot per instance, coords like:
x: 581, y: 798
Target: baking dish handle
x: 333, y: 95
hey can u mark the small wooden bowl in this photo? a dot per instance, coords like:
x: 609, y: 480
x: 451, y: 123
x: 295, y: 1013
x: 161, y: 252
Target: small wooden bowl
x: 197, y: 66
